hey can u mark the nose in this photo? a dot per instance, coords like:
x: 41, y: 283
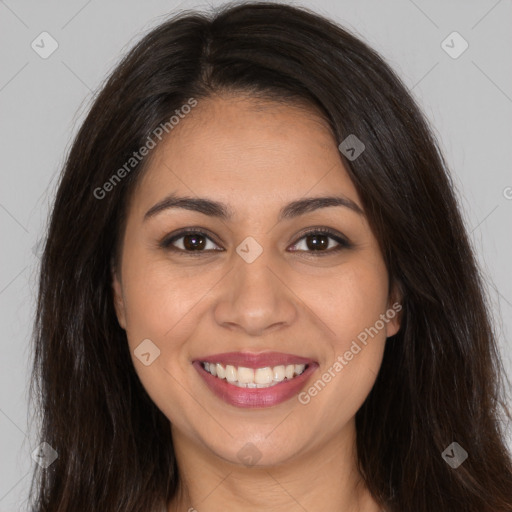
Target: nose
x: 255, y: 298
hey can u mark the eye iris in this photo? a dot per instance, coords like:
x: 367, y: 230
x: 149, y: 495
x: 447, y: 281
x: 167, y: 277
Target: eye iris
x: 193, y: 242
x: 319, y: 242
x: 196, y: 241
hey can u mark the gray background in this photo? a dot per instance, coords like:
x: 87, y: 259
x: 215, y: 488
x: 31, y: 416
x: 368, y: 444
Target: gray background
x: 468, y: 101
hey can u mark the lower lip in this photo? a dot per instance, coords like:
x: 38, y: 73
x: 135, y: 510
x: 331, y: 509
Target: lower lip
x: 255, y: 397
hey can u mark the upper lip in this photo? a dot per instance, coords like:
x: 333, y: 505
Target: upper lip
x: 252, y: 360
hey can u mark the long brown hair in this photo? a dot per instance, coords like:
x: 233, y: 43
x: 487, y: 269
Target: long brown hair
x: 441, y: 379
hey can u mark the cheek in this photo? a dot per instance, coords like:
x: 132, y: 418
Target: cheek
x: 164, y: 303
x: 160, y: 300
x: 349, y: 301
x: 350, y: 306
x: 161, y: 306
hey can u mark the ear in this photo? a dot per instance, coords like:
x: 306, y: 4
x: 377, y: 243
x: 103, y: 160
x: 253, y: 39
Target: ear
x: 393, y: 311
x: 117, y: 292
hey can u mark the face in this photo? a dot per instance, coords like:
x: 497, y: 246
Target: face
x: 267, y: 291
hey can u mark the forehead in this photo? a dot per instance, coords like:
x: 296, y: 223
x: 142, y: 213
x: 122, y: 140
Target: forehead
x: 246, y: 153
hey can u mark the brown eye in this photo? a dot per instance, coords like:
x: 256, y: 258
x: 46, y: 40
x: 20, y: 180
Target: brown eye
x: 190, y: 241
x: 194, y: 242
x: 322, y: 241
x: 317, y: 242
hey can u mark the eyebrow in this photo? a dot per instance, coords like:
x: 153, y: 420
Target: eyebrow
x: 223, y: 212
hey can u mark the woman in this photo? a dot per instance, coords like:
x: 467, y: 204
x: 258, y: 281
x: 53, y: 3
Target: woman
x: 257, y: 291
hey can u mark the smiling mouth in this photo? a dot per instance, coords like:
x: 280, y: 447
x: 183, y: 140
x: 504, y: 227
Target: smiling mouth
x: 253, y: 378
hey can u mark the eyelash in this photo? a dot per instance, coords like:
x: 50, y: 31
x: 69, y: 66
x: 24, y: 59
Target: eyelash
x: 167, y: 242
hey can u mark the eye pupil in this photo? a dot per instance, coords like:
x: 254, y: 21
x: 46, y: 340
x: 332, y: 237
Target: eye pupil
x: 322, y: 241
x: 196, y: 241
x: 193, y: 242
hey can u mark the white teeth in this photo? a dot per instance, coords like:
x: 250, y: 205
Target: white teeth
x: 279, y: 373
x: 263, y: 376
x: 231, y: 375
x: 245, y: 375
x: 219, y: 369
x: 254, y: 378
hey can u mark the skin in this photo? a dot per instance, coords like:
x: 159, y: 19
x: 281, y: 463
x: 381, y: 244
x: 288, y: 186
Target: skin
x: 235, y: 149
